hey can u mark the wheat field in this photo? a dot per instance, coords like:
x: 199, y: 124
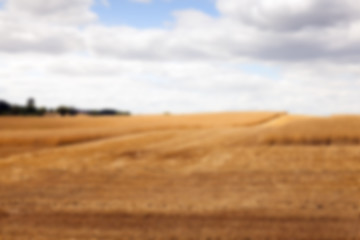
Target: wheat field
x: 226, y: 176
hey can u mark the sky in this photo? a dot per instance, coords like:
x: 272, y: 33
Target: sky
x: 183, y: 56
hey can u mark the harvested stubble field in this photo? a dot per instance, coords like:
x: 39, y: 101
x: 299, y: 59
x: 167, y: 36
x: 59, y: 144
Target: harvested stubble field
x: 235, y: 176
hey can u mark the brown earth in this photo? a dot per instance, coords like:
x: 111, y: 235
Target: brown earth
x: 236, y: 176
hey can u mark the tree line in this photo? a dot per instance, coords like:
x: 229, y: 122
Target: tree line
x: 30, y: 109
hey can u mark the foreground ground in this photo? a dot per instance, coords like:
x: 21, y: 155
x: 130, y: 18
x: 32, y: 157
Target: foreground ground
x: 237, y: 176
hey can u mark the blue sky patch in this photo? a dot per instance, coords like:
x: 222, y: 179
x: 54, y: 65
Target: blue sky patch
x: 148, y: 15
x: 262, y: 70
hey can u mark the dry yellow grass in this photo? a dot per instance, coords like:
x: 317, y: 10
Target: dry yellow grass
x: 22, y: 134
x: 312, y: 131
x: 213, y: 176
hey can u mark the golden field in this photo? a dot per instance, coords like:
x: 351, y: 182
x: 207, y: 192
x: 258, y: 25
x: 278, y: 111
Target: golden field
x: 229, y: 176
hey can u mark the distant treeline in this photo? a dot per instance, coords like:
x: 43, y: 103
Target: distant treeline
x: 30, y: 109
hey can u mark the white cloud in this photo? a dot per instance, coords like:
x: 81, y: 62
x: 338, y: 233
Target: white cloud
x: 142, y: 1
x: 105, y: 3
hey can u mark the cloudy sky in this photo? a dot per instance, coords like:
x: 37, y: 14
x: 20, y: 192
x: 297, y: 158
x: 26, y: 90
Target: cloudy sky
x: 151, y: 56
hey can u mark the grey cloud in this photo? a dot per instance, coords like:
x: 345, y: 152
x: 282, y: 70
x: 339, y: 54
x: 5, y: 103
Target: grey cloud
x: 290, y: 15
x: 48, y: 45
x: 56, y: 11
x: 202, y: 43
x: 79, y: 67
x: 288, y: 48
x: 18, y: 38
x: 196, y: 36
x: 47, y: 7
